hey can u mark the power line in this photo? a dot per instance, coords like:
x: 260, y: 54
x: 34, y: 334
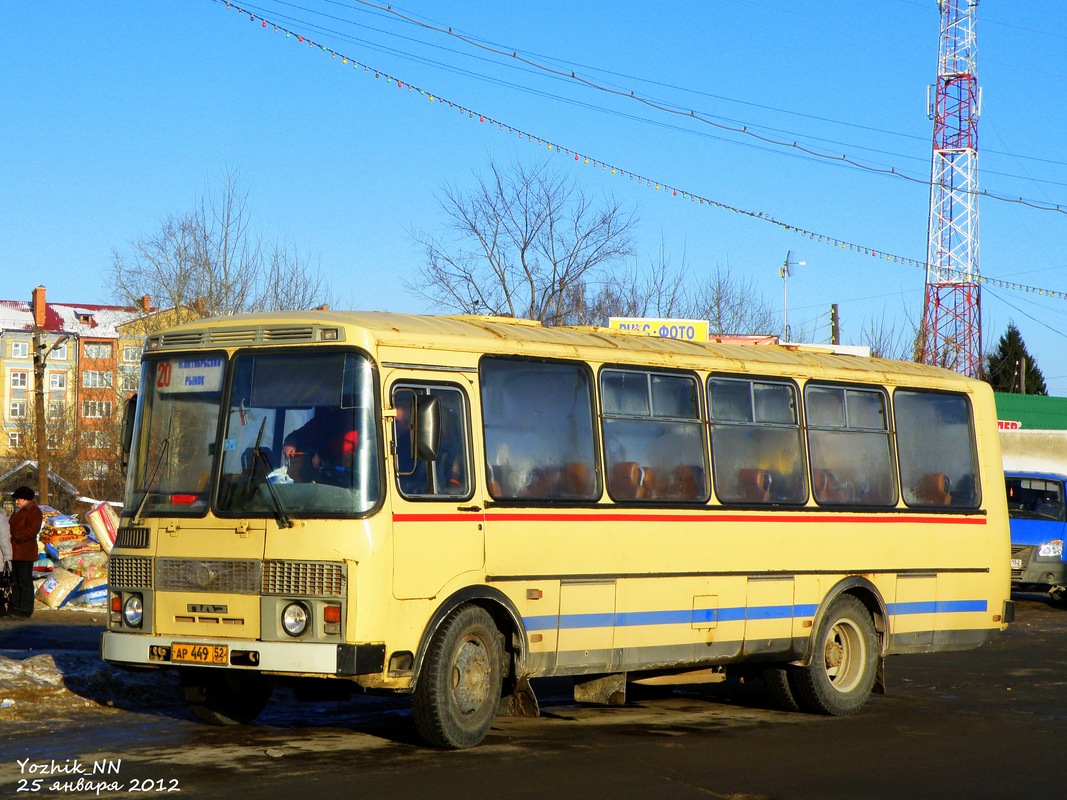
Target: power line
x: 616, y: 170
x: 663, y: 106
x: 736, y: 127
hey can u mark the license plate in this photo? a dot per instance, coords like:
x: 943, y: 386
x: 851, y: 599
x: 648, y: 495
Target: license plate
x: 1016, y: 563
x: 200, y: 653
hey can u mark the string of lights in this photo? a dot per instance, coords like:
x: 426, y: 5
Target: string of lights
x: 613, y: 169
x: 744, y: 130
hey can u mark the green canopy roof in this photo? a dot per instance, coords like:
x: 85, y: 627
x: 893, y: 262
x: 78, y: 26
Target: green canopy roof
x: 1031, y: 411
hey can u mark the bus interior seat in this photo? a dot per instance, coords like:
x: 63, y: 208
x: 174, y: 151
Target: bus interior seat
x: 543, y: 482
x: 496, y: 480
x: 687, y: 482
x: 628, y: 479
x: 934, y: 489
x: 826, y: 487
x: 754, y: 485
x: 577, y: 480
x: 647, y: 489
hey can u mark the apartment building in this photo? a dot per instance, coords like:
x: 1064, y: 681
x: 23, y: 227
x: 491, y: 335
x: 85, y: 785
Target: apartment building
x: 91, y: 365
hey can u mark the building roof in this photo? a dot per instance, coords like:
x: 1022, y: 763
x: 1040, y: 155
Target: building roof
x: 21, y: 470
x: 82, y: 320
x: 1032, y: 411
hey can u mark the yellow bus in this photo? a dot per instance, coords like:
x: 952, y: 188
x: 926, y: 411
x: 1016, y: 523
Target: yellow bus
x: 448, y: 507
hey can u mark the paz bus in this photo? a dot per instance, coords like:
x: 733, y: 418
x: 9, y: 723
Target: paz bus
x: 491, y: 501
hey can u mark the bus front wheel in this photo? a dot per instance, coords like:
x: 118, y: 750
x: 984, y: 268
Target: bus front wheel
x: 457, y: 692
x: 844, y: 661
x: 225, y: 697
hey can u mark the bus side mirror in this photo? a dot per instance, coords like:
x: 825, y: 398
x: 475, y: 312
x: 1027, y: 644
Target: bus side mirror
x: 427, y: 427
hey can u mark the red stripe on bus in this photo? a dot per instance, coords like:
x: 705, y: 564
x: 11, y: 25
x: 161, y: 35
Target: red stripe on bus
x: 799, y: 518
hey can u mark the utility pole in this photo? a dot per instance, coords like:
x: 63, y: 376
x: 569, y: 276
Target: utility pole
x: 790, y: 261
x: 41, y: 351
x: 835, y: 325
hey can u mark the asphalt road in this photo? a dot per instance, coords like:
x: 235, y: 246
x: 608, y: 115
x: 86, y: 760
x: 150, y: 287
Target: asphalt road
x: 980, y: 724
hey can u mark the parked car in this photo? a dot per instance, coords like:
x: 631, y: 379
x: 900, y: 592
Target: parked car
x: 1038, y: 528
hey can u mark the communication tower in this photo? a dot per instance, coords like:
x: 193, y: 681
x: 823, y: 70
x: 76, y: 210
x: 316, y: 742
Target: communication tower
x: 951, y: 335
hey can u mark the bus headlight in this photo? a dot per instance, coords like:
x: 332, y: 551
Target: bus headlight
x: 1052, y: 549
x: 133, y: 611
x: 295, y: 619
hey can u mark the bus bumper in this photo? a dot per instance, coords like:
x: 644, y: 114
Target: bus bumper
x: 297, y: 658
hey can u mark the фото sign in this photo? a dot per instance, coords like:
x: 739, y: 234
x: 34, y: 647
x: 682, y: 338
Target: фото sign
x: 689, y: 330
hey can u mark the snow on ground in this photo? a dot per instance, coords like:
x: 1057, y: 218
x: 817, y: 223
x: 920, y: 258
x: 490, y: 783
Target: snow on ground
x: 61, y: 679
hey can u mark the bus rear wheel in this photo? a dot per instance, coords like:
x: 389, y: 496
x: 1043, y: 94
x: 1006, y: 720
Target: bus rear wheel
x: 457, y: 692
x: 225, y: 697
x: 776, y: 679
x: 844, y: 661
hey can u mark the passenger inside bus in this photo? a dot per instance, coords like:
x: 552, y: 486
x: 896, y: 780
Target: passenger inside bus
x: 323, y: 448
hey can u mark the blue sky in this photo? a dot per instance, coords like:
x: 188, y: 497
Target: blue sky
x: 114, y: 115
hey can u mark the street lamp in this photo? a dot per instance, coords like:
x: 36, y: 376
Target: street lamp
x: 41, y: 351
x: 790, y: 261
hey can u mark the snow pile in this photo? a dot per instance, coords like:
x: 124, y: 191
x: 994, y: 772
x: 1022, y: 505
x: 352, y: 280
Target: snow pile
x: 64, y: 682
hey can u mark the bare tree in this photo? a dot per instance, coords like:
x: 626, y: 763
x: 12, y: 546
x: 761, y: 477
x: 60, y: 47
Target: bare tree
x: 209, y: 262
x: 731, y: 305
x: 886, y: 341
x: 524, y: 243
x: 63, y: 446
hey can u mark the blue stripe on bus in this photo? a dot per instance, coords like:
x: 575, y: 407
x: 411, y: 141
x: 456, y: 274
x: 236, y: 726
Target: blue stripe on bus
x: 737, y: 614
x: 937, y: 607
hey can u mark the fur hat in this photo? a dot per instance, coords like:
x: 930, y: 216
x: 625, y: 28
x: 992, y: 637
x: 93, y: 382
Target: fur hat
x: 23, y: 493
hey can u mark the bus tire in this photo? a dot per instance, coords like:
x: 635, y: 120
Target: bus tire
x: 457, y: 691
x: 844, y: 661
x: 225, y: 697
x: 776, y: 679
x: 1057, y: 597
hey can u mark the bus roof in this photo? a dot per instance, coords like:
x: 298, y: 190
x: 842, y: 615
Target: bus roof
x: 500, y: 335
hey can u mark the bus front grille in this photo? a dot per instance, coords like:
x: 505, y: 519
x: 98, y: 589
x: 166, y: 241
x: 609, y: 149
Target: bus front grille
x: 130, y: 572
x: 190, y: 575
x: 313, y: 578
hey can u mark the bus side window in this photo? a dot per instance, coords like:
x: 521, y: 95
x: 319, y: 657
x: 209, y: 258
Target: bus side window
x: 447, y: 476
x: 538, y: 418
x: 653, y: 437
x: 848, y: 446
x: 756, y: 449
x: 935, y: 443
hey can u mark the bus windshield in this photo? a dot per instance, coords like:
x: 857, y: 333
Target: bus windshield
x: 297, y: 437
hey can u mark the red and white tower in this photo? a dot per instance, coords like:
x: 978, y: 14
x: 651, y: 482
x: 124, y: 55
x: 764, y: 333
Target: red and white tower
x: 952, y: 323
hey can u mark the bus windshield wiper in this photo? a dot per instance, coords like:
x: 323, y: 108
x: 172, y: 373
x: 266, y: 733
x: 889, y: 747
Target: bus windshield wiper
x: 257, y: 456
x: 151, y: 480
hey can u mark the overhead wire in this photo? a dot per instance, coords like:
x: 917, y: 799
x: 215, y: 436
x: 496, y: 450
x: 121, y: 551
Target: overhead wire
x: 723, y: 123
x: 663, y: 106
x: 615, y: 169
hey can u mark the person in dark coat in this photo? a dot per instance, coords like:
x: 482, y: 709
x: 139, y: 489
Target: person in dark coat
x: 25, y: 523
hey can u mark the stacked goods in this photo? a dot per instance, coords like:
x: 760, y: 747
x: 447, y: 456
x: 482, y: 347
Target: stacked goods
x: 103, y: 525
x: 73, y: 564
x: 58, y: 587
